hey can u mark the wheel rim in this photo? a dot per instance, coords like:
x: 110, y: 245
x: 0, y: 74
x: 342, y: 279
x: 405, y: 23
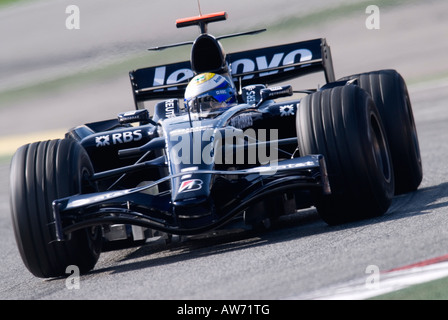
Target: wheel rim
x: 379, y: 147
x: 413, y: 129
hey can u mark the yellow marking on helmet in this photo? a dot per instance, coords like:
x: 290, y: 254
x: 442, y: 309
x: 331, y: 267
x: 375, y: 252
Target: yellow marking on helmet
x: 199, y: 79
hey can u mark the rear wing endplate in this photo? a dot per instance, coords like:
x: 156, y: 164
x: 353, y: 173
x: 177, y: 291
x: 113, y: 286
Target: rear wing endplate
x: 268, y: 65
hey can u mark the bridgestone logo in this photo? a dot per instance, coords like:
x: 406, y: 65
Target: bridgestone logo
x: 190, y: 185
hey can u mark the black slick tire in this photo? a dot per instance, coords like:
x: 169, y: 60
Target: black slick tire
x: 390, y: 94
x: 40, y: 173
x: 343, y: 124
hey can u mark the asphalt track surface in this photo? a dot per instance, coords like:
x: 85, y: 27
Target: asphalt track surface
x: 300, y: 254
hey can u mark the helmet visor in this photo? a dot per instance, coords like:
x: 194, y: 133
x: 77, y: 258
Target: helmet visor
x: 213, y: 101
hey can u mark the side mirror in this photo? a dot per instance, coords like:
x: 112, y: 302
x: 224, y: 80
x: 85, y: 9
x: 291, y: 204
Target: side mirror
x: 275, y: 92
x: 134, y: 116
x: 141, y: 115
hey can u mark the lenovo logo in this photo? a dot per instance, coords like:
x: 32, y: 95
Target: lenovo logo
x: 161, y: 78
x: 239, y: 63
x: 261, y: 63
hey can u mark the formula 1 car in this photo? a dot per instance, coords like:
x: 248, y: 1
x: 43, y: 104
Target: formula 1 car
x: 186, y: 168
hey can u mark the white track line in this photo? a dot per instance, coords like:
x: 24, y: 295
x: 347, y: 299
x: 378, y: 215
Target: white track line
x: 388, y: 282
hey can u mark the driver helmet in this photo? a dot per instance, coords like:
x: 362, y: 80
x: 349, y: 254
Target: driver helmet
x: 209, y: 94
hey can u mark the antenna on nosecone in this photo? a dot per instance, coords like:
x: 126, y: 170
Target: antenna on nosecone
x: 199, y: 7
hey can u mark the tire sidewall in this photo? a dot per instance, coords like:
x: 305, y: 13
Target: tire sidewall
x: 390, y: 94
x: 343, y: 134
x: 40, y: 173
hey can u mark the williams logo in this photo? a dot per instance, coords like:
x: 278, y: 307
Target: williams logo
x: 287, y: 110
x: 190, y: 185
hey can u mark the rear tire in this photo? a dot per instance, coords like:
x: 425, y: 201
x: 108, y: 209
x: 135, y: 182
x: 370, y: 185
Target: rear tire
x: 390, y: 94
x: 344, y: 126
x: 40, y: 173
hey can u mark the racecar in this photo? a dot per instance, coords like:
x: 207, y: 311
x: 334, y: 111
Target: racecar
x: 225, y: 142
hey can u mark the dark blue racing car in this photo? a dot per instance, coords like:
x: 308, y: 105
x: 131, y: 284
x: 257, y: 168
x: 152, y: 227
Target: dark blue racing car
x: 225, y: 141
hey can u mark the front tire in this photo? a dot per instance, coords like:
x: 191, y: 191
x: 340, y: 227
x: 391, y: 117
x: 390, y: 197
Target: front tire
x: 390, y: 94
x: 344, y: 126
x: 40, y: 173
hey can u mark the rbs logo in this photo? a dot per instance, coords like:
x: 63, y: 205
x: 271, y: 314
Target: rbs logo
x: 116, y: 138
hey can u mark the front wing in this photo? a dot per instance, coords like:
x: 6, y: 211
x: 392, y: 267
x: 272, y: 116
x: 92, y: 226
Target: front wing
x: 135, y: 207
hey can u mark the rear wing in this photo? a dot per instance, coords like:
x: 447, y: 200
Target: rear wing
x: 268, y: 65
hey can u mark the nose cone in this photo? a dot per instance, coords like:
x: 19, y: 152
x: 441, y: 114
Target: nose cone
x: 190, y: 186
x: 191, y: 199
x: 190, y: 149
